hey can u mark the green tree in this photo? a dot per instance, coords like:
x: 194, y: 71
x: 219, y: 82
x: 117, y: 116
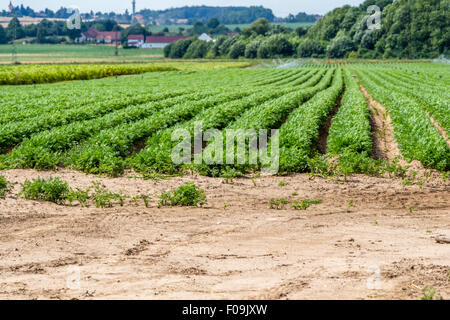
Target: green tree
x: 259, y: 27
x: 3, y: 37
x: 213, y: 23
x: 197, y: 50
x: 275, y: 46
x: 251, y: 50
x: 179, y: 48
x: 15, y: 30
x: 340, y: 47
x: 300, y: 31
x: 237, y: 50
x: 310, y: 48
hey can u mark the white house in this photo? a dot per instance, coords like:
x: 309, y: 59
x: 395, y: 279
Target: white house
x: 205, y: 37
x: 136, y: 40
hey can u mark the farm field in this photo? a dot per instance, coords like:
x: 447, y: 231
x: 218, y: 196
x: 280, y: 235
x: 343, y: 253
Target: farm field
x: 41, y: 53
x: 46, y: 73
x: 361, y: 189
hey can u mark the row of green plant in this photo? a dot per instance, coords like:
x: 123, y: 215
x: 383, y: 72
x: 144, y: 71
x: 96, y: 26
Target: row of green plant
x: 268, y: 115
x: 434, y: 100
x: 300, y: 133
x: 44, y: 150
x: 104, y: 152
x: 416, y: 136
x: 14, y: 132
x: 350, y: 130
x: 158, y: 152
x: 31, y: 74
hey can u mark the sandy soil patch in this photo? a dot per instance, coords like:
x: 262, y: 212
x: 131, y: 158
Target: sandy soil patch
x: 383, y: 247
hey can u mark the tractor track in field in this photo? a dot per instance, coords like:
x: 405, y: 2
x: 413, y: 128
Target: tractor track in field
x: 439, y: 128
x: 384, y: 145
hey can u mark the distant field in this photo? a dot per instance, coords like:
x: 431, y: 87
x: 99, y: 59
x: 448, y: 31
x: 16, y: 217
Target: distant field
x: 48, y: 73
x: 175, y: 27
x: 4, y: 21
x: 37, y: 53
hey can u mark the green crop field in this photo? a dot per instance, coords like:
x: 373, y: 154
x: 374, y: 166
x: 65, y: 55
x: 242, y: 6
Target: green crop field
x: 41, y: 53
x: 108, y: 125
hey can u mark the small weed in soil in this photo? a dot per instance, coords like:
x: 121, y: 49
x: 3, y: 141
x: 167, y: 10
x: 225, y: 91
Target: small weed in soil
x: 186, y: 195
x: 51, y: 189
x: 5, y: 187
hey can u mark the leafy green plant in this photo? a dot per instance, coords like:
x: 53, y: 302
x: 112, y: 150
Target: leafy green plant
x: 103, y: 197
x: 278, y: 204
x: 304, y: 204
x: 5, y: 187
x: 428, y: 294
x: 186, y: 195
x: 146, y: 198
x: 350, y: 205
x: 51, y: 189
x: 282, y: 184
x: 80, y: 195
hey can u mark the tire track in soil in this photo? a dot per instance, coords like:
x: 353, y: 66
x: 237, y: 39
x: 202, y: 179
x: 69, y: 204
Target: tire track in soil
x: 384, y: 145
x: 439, y: 128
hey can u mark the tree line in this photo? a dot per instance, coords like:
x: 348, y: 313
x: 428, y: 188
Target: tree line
x: 409, y: 29
x: 226, y: 15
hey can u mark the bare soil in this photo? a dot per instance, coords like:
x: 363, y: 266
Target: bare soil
x: 382, y: 247
x: 384, y: 145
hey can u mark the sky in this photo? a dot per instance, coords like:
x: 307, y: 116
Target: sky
x: 281, y: 8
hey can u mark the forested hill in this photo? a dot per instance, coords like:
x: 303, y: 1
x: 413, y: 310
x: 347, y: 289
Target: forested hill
x: 409, y: 28
x: 226, y: 15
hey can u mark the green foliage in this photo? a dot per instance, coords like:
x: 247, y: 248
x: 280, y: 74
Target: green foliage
x: 340, y: 47
x: 197, y: 49
x: 275, y: 46
x: 3, y: 36
x: 310, y: 48
x: 104, y: 198
x: 51, y: 189
x: 350, y: 129
x: 5, y: 187
x: 179, y: 48
x: 186, y: 195
x: 33, y: 74
x: 251, y: 50
x: 259, y: 27
x: 225, y: 47
x: 80, y: 195
x: 278, y: 204
x: 304, y: 204
x: 409, y: 29
x: 237, y: 50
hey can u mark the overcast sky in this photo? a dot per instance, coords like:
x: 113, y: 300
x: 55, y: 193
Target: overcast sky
x: 280, y: 8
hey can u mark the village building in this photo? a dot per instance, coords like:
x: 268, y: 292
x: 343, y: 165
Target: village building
x: 93, y: 35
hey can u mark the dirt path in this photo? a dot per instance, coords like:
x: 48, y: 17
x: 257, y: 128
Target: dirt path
x: 439, y: 128
x: 381, y: 247
x: 384, y: 145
